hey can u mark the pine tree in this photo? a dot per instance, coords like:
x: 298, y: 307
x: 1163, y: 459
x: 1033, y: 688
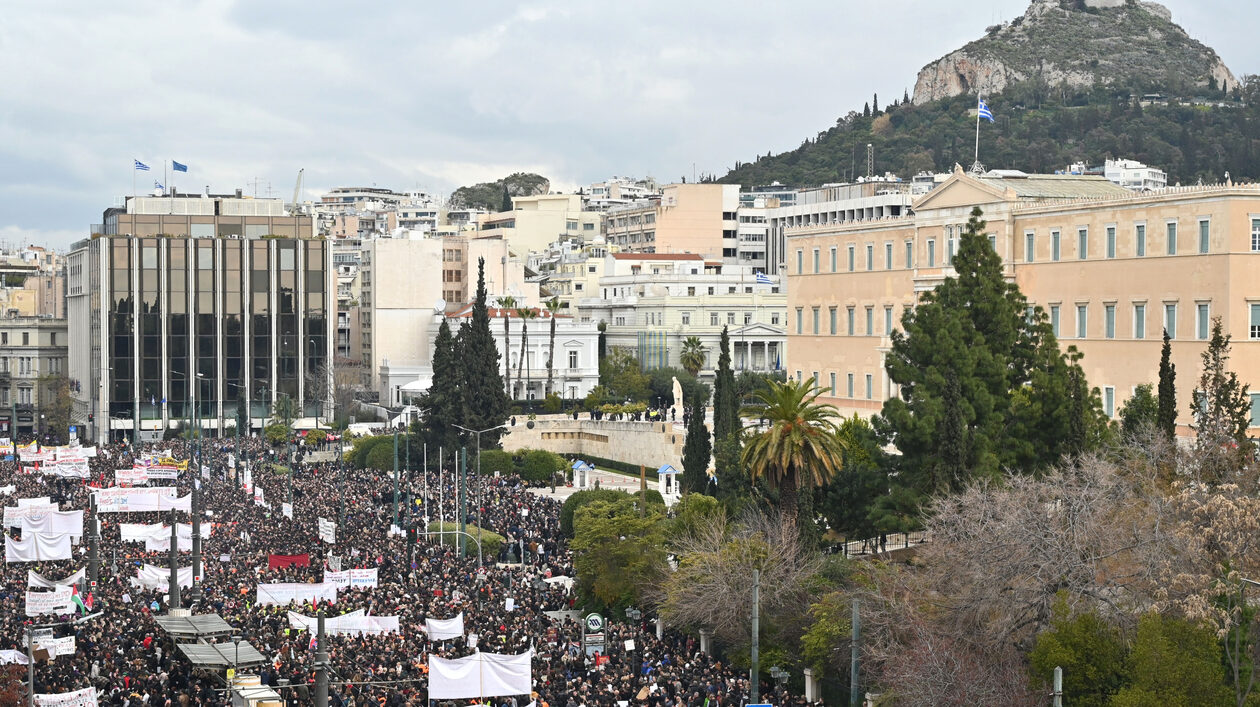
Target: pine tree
x: 1166, y: 420
x: 906, y: 97
x: 485, y: 404
x: 697, y: 449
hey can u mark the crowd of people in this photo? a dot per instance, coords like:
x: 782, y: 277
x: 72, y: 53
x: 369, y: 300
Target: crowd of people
x: 130, y: 661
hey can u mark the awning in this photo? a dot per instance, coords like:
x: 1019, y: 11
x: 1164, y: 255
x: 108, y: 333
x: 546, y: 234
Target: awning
x: 579, y: 465
x: 666, y: 469
x: 195, y: 627
x: 221, y: 656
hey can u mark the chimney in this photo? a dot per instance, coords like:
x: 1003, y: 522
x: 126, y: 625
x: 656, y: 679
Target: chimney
x: 239, y: 193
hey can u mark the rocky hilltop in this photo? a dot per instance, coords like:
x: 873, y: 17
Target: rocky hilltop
x: 1127, y: 44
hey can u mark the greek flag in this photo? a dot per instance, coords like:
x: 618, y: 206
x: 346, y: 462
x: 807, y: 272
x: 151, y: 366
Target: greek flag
x: 176, y: 166
x: 142, y: 167
x: 764, y: 279
x: 984, y: 111
x: 158, y: 185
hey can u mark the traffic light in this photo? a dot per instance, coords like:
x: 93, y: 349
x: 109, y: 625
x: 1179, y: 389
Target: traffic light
x: 91, y: 417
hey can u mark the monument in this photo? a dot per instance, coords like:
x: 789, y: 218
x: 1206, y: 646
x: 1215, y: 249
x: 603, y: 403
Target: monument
x: 676, y: 410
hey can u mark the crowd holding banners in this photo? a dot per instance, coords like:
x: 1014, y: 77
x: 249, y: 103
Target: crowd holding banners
x: 124, y: 658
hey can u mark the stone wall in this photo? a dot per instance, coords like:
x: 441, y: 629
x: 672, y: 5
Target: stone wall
x: 649, y: 443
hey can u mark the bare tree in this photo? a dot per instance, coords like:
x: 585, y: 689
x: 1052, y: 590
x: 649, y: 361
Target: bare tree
x: 335, y: 383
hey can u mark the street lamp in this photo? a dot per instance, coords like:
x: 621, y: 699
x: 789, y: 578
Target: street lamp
x: 480, y: 521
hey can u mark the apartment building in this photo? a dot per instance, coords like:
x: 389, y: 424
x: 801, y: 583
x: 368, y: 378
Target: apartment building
x: 1111, y: 268
x: 33, y: 353
x: 537, y: 221
x: 651, y: 302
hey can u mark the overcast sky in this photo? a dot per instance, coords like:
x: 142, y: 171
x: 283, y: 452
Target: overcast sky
x: 425, y: 95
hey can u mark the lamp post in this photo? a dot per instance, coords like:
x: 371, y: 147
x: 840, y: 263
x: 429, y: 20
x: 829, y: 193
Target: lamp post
x: 477, y: 434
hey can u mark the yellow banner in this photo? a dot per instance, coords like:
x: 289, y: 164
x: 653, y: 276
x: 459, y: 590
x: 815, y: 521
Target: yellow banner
x: 170, y: 461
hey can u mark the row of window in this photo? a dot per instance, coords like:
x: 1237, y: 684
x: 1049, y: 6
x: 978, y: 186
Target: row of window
x: 1110, y: 248
x: 868, y: 387
x: 1202, y: 320
x: 850, y: 320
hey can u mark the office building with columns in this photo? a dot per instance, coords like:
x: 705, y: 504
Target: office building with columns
x: 206, y: 299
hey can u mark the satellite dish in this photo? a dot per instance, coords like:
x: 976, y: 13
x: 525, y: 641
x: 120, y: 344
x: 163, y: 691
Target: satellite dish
x: 440, y: 306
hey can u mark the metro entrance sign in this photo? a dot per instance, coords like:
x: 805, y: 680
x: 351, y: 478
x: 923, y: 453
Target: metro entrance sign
x: 593, y: 634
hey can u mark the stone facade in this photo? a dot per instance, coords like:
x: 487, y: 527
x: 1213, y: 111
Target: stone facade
x: 649, y: 443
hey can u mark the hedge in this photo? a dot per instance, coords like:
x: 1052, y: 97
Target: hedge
x: 491, y: 543
x: 623, y: 467
x: 582, y: 498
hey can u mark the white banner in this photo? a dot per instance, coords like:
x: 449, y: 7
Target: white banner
x: 138, y: 500
x: 57, y: 646
x: 139, y: 532
x: 442, y: 629
x: 55, y: 602
x: 37, y: 581
x: 8, y: 490
x: 479, y: 675
x: 69, y: 469
x: 53, y: 523
x: 36, y: 547
x: 87, y: 452
x: 18, y: 657
x: 162, y: 543
x: 285, y: 592
x: 354, y: 622
x: 131, y: 477
x: 81, y: 698
x: 42, y: 502
x: 259, y: 499
x: 168, y: 473
x: 340, y: 579
x: 364, y: 579
x: 327, y: 530
x: 287, y: 510
x: 155, y: 577
x: 13, y: 516
x: 334, y: 563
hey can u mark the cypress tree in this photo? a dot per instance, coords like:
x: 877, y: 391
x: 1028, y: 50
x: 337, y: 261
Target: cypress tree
x: 1166, y: 419
x: 1222, y: 411
x: 725, y: 403
x: 485, y: 404
x: 697, y: 449
x: 444, y: 401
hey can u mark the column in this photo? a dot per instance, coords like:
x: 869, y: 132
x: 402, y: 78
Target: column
x: 813, y: 691
x: 705, y: 638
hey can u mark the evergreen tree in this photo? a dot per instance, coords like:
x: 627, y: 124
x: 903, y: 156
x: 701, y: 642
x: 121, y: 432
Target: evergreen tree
x: 1222, y: 410
x: 443, y: 399
x: 725, y: 402
x: 875, y: 105
x: 1166, y: 420
x: 697, y: 449
x: 507, y: 200
x: 1139, y: 411
x: 983, y: 385
x: 485, y: 404
x: 866, y: 110
x: 906, y: 97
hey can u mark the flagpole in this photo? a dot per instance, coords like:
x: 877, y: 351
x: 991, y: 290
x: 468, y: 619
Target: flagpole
x: 978, y: 101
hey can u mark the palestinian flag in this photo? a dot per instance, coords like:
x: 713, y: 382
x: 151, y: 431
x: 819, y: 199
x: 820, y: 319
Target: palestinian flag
x: 85, y: 607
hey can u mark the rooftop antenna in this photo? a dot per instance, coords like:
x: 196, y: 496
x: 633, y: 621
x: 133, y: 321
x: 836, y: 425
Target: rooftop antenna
x: 870, y: 160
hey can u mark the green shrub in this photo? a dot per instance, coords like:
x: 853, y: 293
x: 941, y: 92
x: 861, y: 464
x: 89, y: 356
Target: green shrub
x: 552, y: 404
x: 491, y: 543
x: 540, y: 465
x: 381, y: 456
x: 316, y: 437
x: 276, y: 434
x: 582, y: 498
x: 493, y: 460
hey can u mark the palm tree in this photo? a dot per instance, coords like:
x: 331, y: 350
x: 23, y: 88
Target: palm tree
x: 553, y: 308
x: 526, y: 314
x: 799, y: 444
x: 693, y: 355
x: 507, y: 303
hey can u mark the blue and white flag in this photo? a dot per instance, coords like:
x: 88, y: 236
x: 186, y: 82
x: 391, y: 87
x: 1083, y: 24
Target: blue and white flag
x: 178, y: 167
x: 984, y: 111
x: 140, y: 166
x: 764, y: 279
x: 158, y: 185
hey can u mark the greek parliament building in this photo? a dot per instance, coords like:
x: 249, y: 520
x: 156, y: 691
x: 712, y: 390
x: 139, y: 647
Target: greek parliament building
x: 1111, y: 268
x: 212, y: 299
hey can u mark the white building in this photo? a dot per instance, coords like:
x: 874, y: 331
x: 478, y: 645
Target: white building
x: 1134, y: 175
x: 574, y: 369
x: 651, y: 303
x: 834, y: 204
x: 618, y: 191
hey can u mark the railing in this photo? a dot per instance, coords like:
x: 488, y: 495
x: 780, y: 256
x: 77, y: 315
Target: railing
x: 882, y: 545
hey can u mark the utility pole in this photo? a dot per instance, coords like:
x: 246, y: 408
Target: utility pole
x: 463, y: 498
x: 196, y: 535
x: 855, y: 693
x: 292, y: 468
x: 755, y: 670
x: 321, y: 665
x: 1058, y: 686
x: 94, y: 546
x: 30, y: 660
x: 173, y: 588
x: 395, y: 477
x: 341, y: 465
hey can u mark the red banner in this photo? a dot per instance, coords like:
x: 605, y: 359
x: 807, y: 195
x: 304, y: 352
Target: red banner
x: 276, y: 562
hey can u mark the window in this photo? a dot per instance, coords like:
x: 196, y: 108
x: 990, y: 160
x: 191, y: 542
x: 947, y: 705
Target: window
x: 691, y: 291
x: 816, y: 329
x: 1255, y: 321
x: 26, y: 338
x: 798, y: 376
x: 1054, y: 318
x: 774, y: 319
x: 832, y: 314
x: 710, y: 290
x: 1111, y: 241
x: 1255, y: 408
x: 52, y: 339
x: 686, y: 318
x: 619, y: 321
x: 1030, y: 243
x: 870, y: 321
x: 816, y: 268
x: 833, y: 383
x: 910, y: 251
x: 849, y: 387
x: 800, y: 261
x: 1082, y: 243
x: 949, y: 251
x: 888, y: 322
x: 851, y: 259
x: 888, y: 255
x: 1201, y: 320
x: 850, y: 329
x: 833, y: 258
x: 1141, y: 240
x: 1255, y: 235
x: 730, y: 320
x: 713, y: 320
x: 1205, y: 235
x: 1139, y: 321
x: 1082, y: 320
x: 1172, y: 237
x: 870, y: 257
x: 800, y: 319
x: 4, y: 338
x: 1170, y: 320
x: 747, y: 318
x: 1054, y: 246
x: 993, y: 243
x: 931, y: 247
x: 573, y: 359
x: 1109, y: 401
x: 1109, y: 321
x: 870, y: 387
